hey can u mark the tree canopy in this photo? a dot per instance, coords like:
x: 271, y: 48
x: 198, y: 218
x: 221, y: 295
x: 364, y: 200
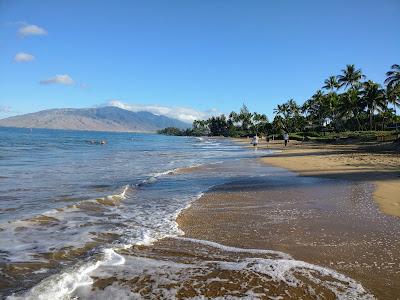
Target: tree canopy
x: 346, y: 102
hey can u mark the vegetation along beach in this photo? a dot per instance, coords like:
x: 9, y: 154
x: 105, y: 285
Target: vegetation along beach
x: 199, y: 150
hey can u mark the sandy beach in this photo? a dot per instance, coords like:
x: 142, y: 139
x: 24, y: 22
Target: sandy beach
x: 379, y: 165
x: 269, y: 233
x: 328, y: 218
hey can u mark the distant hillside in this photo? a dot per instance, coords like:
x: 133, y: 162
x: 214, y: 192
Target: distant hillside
x: 107, y: 118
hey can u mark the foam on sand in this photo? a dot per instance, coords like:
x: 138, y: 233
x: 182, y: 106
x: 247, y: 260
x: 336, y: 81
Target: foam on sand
x: 62, y: 285
x: 212, y: 270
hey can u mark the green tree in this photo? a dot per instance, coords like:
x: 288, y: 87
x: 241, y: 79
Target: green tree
x: 350, y: 77
x: 218, y: 126
x: 317, y: 108
x: 374, y: 99
x: 351, y: 105
x: 393, y: 87
x: 393, y: 76
x: 331, y: 84
x: 245, y: 118
x: 289, y: 114
x: 259, y: 123
x: 200, y: 127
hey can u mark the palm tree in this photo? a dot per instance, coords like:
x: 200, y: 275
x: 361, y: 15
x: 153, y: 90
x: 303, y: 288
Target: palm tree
x: 393, y: 87
x: 282, y: 112
x: 289, y: 113
x: 313, y: 107
x: 350, y: 105
x: 331, y: 83
x: 350, y: 77
x: 259, y: 122
x: 374, y: 98
x: 294, y: 108
x: 393, y: 76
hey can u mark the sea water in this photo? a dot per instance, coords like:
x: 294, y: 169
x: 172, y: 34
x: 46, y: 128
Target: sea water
x: 62, y: 191
x: 70, y: 207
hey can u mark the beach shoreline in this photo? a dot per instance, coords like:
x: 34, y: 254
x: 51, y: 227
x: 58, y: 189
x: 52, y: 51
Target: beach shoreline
x: 328, y: 218
x: 379, y: 165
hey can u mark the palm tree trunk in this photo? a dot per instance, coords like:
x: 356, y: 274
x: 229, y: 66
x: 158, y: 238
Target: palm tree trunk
x: 370, y: 120
x: 358, y: 123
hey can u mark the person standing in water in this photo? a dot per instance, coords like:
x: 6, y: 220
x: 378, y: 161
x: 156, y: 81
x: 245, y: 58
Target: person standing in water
x: 255, y: 140
x: 286, y: 138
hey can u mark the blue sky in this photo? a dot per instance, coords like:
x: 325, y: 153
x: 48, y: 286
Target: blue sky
x: 195, y: 54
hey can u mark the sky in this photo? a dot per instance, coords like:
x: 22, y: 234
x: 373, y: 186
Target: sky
x: 186, y: 59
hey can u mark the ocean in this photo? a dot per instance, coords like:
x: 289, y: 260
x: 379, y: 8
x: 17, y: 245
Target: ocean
x: 74, y: 213
x: 65, y: 197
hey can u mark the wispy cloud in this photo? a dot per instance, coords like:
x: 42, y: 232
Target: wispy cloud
x: 31, y: 29
x: 58, y: 79
x: 23, y: 57
x: 5, y: 109
x: 184, y: 114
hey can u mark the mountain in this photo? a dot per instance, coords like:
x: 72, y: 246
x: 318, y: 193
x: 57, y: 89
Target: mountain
x: 108, y: 118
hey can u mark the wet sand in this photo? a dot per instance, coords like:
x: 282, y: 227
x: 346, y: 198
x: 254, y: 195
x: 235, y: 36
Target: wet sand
x: 327, y: 222
x: 378, y: 164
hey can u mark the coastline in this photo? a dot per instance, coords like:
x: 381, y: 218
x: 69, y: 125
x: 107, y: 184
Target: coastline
x: 354, y: 162
x: 327, y: 218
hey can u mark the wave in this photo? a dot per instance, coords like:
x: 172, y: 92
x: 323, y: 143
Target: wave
x: 153, y: 177
x: 38, y: 234
x: 238, y: 272
x: 60, y: 285
x: 284, y: 268
x: 279, y: 254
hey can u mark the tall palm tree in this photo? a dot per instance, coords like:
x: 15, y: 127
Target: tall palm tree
x: 331, y: 83
x: 374, y: 98
x: 350, y: 105
x: 393, y: 76
x: 350, y: 77
x: 393, y: 87
x: 314, y: 108
x: 294, y: 108
x: 282, y: 117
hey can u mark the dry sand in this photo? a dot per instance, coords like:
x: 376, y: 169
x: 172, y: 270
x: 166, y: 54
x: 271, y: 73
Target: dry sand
x: 371, y: 163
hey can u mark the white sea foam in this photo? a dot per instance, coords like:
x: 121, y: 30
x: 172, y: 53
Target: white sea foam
x: 62, y: 285
x: 280, y: 254
x: 201, y: 273
x: 27, y: 235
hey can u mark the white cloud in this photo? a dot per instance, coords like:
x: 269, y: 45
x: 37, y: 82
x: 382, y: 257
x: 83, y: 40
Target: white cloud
x: 184, y: 114
x: 31, y: 30
x: 23, y: 57
x: 60, y: 79
x: 5, y: 109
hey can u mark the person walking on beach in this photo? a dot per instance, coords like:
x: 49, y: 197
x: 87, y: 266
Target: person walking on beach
x: 254, y: 141
x: 286, y: 138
